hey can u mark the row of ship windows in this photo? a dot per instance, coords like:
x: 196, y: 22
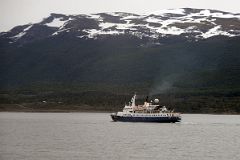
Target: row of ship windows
x: 153, y: 115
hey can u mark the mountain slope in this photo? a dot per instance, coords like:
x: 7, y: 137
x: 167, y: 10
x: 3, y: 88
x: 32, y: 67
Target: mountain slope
x: 169, y: 49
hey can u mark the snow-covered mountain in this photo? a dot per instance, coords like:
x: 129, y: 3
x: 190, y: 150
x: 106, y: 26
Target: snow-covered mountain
x: 183, y: 47
x: 192, y: 53
x: 192, y: 24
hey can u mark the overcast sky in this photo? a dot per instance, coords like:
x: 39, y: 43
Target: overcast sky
x: 18, y: 12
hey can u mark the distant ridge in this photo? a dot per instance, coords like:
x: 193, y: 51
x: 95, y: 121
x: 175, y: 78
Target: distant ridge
x: 190, y: 23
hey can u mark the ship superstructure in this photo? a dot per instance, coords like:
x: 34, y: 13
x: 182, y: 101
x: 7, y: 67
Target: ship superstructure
x: 148, y: 112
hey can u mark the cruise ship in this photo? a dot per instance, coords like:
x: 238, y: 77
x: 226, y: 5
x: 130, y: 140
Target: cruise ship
x: 148, y: 112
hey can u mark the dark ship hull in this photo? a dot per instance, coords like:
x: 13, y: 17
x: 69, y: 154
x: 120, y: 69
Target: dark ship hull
x: 146, y: 119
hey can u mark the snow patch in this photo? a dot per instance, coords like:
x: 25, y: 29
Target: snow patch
x: 128, y: 21
x: 121, y: 26
x: 93, y: 32
x: 167, y: 11
x: 125, y: 26
x: 19, y: 35
x: 153, y: 20
x: 59, y: 31
x: 221, y: 15
x: 107, y: 25
x: 170, y: 21
x: 62, y: 27
x: 214, y: 32
x: 171, y: 30
x: 26, y: 29
x: 57, y: 22
x: 207, y: 13
x: 94, y: 16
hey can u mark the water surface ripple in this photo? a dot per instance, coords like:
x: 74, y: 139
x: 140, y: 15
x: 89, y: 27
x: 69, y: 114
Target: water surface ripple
x: 93, y: 136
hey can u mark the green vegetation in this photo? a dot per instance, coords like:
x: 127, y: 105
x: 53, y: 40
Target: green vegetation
x: 91, y: 97
x: 101, y: 75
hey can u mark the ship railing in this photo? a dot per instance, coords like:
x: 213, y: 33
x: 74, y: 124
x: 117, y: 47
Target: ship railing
x: 155, y: 114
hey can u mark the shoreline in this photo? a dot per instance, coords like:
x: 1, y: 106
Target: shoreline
x: 56, y: 111
x: 36, y: 108
x: 93, y: 111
